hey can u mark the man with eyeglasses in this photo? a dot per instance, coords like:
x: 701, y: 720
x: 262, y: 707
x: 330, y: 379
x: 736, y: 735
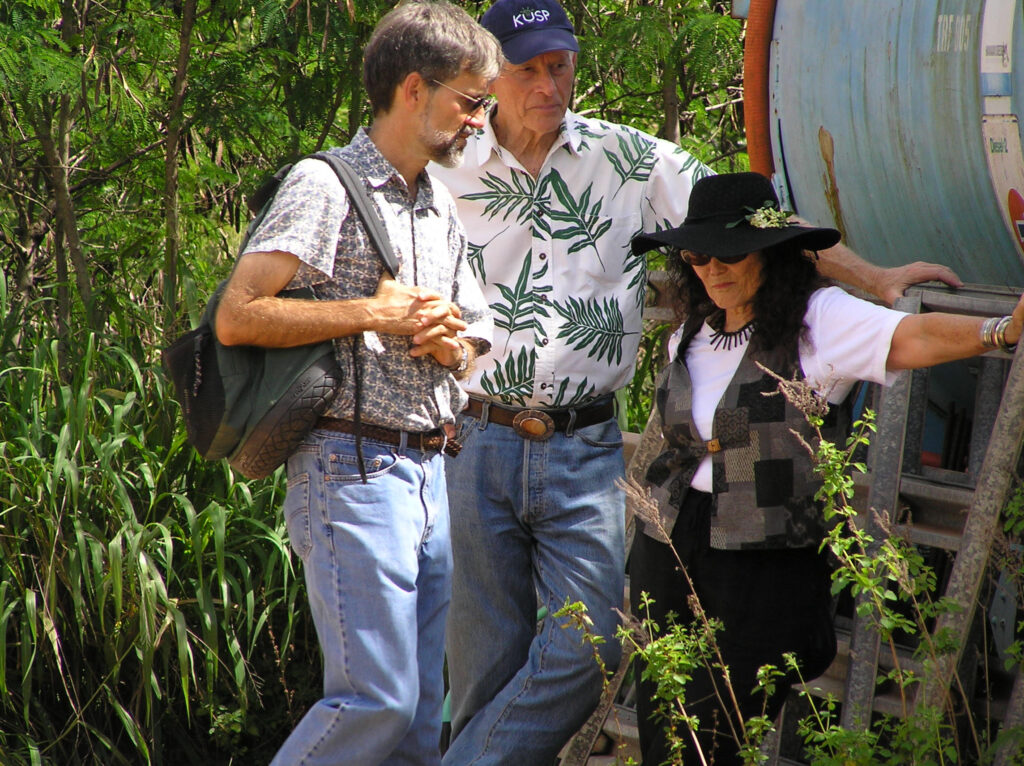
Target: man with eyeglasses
x: 366, y: 505
x: 473, y: 104
x: 550, y: 200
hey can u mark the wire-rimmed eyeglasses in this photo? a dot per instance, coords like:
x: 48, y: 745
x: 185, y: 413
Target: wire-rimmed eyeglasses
x: 486, y: 102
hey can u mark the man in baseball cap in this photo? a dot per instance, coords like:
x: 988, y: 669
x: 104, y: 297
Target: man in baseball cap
x: 537, y: 518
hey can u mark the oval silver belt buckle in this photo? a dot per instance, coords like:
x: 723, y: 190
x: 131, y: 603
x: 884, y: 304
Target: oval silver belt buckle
x: 535, y: 425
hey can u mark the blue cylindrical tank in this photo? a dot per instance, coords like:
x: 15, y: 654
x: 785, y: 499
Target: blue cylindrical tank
x: 897, y: 122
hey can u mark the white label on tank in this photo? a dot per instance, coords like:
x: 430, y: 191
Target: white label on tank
x: 995, y: 66
x: 953, y: 32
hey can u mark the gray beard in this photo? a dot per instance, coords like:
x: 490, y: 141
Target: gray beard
x: 447, y: 152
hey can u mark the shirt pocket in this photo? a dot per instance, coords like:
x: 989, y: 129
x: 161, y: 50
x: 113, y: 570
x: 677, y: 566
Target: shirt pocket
x: 598, y: 247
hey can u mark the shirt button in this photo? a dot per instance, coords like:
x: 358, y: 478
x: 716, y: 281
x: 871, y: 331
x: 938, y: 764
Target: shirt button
x: 544, y: 342
x: 543, y: 386
x: 543, y: 256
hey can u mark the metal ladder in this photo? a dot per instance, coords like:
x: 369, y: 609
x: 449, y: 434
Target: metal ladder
x: 953, y: 510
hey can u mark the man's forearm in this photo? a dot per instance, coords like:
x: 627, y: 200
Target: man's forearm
x: 275, y: 322
x: 252, y: 313
x: 841, y: 264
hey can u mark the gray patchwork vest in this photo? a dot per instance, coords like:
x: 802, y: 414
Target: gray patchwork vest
x: 762, y: 476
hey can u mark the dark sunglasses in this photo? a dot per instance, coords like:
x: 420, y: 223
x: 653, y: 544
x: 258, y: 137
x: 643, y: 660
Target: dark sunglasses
x: 691, y: 258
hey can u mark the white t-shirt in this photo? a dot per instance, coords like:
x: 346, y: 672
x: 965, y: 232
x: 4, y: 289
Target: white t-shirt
x: 848, y: 341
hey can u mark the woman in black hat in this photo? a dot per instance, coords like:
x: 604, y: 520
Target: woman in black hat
x: 735, y: 486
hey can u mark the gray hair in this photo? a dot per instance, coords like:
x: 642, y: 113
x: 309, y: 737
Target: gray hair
x: 434, y: 38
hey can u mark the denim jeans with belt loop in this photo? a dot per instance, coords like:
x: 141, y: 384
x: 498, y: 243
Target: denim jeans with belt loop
x: 533, y: 523
x: 377, y: 562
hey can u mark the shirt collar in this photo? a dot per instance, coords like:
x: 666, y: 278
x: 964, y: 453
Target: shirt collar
x: 569, y: 136
x: 378, y: 171
x: 571, y: 132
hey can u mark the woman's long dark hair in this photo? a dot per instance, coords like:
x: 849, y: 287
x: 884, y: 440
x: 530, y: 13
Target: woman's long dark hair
x: 779, y: 305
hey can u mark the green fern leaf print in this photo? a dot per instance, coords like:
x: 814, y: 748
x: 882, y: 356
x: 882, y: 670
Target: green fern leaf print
x: 519, y: 305
x: 475, y: 256
x: 636, y: 266
x: 584, y: 392
x: 506, y: 198
x: 584, y: 223
x: 511, y: 382
x: 693, y: 168
x: 594, y: 326
x: 635, y: 159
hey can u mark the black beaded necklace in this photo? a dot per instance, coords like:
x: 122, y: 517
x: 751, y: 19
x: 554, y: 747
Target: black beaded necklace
x: 721, y: 339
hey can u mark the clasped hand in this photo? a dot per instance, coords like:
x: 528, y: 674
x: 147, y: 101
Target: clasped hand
x: 432, y: 321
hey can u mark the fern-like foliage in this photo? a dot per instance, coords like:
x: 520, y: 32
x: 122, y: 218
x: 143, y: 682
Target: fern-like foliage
x: 511, y: 382
x: 713, y: 47
x: 520, y: 306
x: 595, y: 326
x: 583, y: 223
x: 629, y: 59
x: 635, y: 159
x: 584, y: 391
x: 507, y: 198
x: 271, y: 18
x: 475, y: 256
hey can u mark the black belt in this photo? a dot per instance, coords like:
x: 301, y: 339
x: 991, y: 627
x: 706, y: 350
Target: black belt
x: 426, y: 441
x: 538, y: 425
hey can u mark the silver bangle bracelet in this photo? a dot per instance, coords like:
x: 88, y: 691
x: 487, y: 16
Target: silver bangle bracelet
x: 987, y: 333
x: 999, y: 335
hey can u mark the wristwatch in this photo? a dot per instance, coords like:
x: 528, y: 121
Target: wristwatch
x: 463, y: 363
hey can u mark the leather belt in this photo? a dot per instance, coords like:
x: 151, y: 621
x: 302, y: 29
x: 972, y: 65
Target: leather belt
x: 426, y: 441
x: 539, y: 424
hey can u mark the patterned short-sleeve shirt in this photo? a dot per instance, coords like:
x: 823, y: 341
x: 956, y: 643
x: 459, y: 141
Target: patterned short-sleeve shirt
x: 311, y: 219
x: 553, y: 257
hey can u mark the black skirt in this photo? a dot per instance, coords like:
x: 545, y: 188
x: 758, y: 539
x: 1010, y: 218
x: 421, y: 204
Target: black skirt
x: 770, y: 602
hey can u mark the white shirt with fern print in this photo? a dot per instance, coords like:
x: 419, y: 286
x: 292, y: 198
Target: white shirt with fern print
x: 553, y: 258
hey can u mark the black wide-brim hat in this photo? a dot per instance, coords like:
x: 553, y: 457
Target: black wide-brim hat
x: 718, y: 220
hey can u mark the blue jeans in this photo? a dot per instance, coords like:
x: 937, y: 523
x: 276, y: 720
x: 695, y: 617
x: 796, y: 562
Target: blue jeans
x: 377, y: 562
x: 533, y: 524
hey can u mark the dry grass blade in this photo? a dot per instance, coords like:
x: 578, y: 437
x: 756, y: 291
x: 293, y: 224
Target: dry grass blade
x: 640, y: 502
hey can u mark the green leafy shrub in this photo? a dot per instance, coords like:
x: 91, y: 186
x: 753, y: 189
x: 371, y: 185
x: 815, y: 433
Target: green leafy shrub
x: 139, y: 584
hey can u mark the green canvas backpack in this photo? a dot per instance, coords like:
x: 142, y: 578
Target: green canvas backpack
x: 255, y: 405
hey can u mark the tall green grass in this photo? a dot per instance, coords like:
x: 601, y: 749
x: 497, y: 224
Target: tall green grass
x: 150, y: 608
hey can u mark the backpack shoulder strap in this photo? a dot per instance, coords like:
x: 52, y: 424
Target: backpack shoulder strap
x: 364, y: 206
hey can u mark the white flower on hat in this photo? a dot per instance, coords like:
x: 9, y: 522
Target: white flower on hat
x: 765, y: 217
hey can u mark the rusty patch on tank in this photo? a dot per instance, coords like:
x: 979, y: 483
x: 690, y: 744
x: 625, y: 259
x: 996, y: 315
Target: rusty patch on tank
x: 828, y: 154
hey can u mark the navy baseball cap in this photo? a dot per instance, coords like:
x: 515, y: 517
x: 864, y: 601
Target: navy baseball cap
x: 528, y: 28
